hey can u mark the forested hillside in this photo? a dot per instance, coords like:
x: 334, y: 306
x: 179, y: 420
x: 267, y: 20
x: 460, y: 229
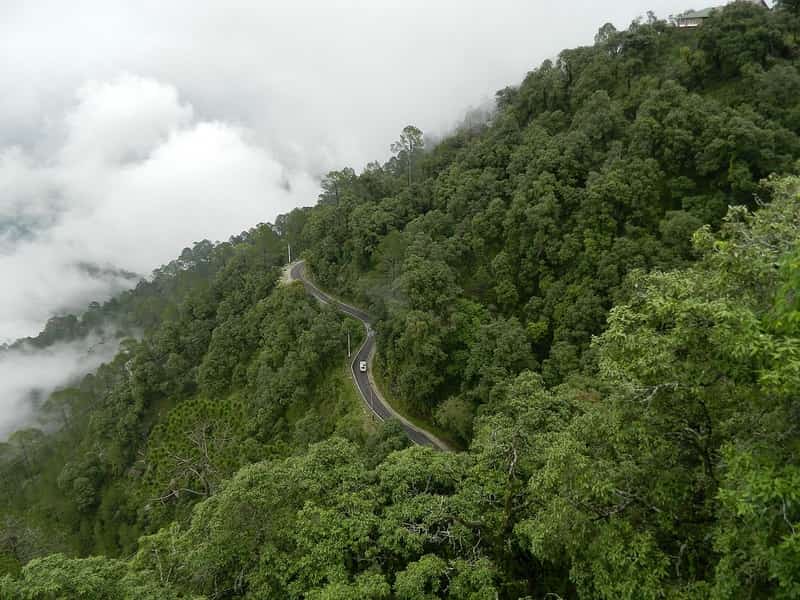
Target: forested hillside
x: 231, y: 370
x: 503, y: 248
x: 595, y: 291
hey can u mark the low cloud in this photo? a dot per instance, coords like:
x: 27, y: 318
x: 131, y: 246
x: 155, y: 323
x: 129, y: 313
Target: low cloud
x: 128, y: 178
x: 29, y: 375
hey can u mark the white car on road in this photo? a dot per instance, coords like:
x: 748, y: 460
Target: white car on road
x: 362, y: 366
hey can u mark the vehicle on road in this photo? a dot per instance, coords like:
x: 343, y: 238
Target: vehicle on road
x: 418, y: 436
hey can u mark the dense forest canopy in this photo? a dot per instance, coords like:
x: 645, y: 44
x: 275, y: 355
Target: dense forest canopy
x: 503, y: 248
x: 594, y: 293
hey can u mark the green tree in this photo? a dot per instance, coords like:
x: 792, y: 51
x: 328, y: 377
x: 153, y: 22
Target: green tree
x: 60, y: 577
x: 410, y: 144
x: 335, y: 186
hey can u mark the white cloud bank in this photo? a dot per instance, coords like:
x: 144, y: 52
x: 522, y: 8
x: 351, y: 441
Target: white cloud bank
x: 131, y: 176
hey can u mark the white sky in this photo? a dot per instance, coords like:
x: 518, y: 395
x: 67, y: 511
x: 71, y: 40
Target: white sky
x: 129, y: 129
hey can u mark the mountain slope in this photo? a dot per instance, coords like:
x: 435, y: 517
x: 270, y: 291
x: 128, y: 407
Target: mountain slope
x: 518, y: 234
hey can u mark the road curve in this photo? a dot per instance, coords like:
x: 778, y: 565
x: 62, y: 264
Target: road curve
x: 364, y: 382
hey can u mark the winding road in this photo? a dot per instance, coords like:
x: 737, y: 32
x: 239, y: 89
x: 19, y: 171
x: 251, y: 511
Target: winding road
x: 364, y: 382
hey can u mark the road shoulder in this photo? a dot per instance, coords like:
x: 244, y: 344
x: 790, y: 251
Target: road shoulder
x: 442, y: 445
x: 288, y: 277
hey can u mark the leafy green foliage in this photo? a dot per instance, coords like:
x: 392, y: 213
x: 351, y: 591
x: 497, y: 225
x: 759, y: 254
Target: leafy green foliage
x: 60, y: 577
x: 602, y: 162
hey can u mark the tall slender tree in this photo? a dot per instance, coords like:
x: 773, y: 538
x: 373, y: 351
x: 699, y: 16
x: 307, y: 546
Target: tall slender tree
x: 411, y: 141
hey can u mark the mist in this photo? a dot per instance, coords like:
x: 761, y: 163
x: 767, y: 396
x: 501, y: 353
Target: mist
x: 28, y: 375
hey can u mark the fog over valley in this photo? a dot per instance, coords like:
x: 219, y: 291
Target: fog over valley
x: 29, y: 375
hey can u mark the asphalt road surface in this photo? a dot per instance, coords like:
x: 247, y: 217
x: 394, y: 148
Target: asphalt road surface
x: 369, y: 394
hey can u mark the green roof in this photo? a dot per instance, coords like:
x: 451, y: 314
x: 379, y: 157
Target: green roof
x: 698, y: 14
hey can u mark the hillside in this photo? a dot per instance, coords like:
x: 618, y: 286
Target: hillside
x: 513, y: 239
x: 593, y: 292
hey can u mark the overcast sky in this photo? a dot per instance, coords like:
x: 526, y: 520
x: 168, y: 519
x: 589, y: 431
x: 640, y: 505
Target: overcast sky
x: 130, y: 129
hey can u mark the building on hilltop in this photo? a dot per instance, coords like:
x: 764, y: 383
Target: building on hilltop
x: 695, y: 18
